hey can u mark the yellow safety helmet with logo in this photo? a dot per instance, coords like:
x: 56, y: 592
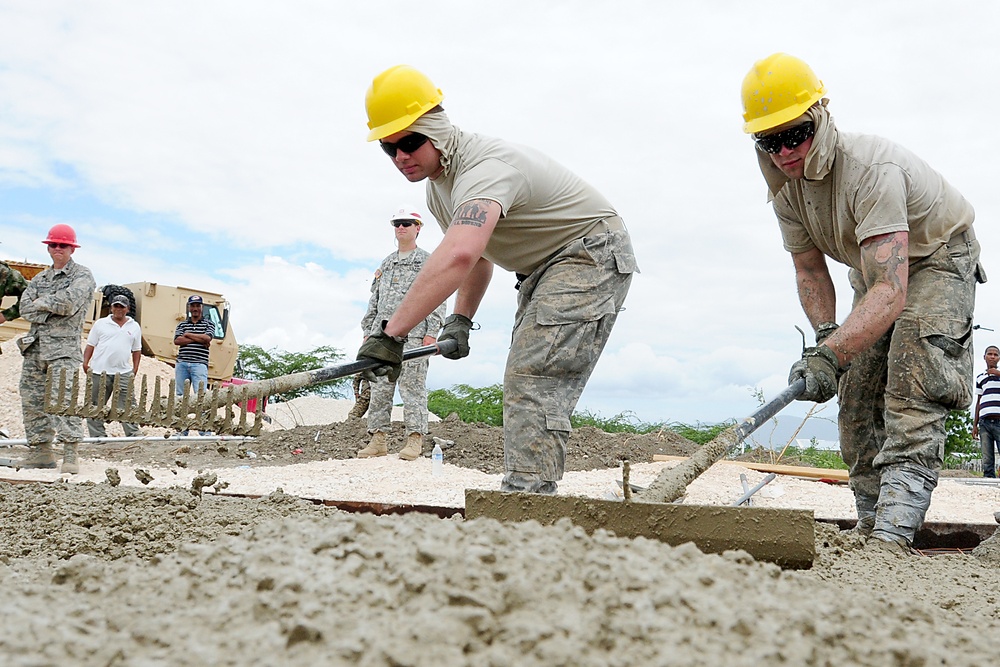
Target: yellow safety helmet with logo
x: 778, y: 89
x: 396, y: 98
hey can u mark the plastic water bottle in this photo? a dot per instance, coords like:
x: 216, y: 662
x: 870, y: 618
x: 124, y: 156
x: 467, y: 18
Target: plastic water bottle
x: 437, y: 461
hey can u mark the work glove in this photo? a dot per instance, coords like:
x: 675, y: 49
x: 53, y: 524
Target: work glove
x: 821, y: 370
x: 825, y: 330
x: 456, y: 328
x: 386, y: 349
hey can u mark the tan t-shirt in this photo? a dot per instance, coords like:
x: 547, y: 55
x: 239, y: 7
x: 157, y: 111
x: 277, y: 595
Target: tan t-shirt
x: 875, y: 187
x: 544, y: 205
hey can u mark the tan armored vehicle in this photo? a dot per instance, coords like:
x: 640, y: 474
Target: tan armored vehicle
x: 158, y: 309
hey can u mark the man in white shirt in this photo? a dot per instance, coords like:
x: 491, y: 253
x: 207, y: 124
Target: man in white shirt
x: 114, y: 348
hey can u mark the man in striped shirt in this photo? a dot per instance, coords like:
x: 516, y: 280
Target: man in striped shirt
x: 986, y: 425
x: 193, y: 335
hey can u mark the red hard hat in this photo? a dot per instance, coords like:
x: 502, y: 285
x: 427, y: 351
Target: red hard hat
x: 62, y: 234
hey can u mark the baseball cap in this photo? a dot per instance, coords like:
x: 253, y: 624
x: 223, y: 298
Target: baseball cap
x: 406, y: 212
x: 119, y: 300
x: 194, y: 298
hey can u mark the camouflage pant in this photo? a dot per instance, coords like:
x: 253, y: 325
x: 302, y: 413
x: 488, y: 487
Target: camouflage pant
x: 362, y: 397
x: 39, y: 426
x: 566, y: 309
x: 896, y: 395
x: 412, y: 385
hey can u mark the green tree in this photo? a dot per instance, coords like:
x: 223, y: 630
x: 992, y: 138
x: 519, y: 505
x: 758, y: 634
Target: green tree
x: 958, y: 439
x: 256, y: 363
x: 471, y: 404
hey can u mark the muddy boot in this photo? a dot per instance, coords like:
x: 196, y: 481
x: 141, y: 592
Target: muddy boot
x: 41, y: 456
x: 414, y: 446
x: 866, y: 514
x: 527, y: 482
x: 903, y: 499
x: 70, y: 463
x: 378, y: 446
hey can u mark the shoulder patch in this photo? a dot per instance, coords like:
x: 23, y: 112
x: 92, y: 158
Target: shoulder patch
x: 378, y: 273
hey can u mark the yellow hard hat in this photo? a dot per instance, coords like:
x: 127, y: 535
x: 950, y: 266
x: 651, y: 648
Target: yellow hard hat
x: 778, y: 89
x: 396, y: 98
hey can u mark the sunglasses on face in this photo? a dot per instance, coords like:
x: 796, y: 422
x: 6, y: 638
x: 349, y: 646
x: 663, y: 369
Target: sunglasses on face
x: 407, y: 144
x: 59, y: 246
x: 402, y: 223
x: 790, y: 138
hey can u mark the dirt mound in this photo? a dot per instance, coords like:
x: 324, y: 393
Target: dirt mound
x: 476, y: 446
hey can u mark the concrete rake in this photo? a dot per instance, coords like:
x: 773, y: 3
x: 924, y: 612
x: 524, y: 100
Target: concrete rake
x: 212, y: 410
x: 782, y: 536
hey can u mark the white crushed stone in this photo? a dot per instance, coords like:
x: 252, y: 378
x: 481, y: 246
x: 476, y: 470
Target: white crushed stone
x: 316, y: 411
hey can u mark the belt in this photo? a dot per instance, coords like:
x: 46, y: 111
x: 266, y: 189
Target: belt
x: 991, y: 418
x: 962, y: 238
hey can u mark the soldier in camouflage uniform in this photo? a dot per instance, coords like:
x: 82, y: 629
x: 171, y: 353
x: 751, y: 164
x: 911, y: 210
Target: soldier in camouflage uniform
x: 56, y: 303
x: 903, y: 357
x: 12, y: 283
x: 511, y: 206
x: 392, y: 280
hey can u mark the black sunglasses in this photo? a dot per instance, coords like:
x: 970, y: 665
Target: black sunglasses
x: 790, y: 138
x: 59, y: 246
x: 403, y: 223
x: 407, y: 144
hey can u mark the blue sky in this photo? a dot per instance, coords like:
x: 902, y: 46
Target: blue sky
x: 221, y: 145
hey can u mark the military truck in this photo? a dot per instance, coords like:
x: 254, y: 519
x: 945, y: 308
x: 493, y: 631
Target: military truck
x: 158, y: 309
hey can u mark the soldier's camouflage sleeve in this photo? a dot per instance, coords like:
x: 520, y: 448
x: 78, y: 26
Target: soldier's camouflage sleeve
x: 368, y: 321
x: 435, y: 320
x: 45, y: 298
x: 12, y: 283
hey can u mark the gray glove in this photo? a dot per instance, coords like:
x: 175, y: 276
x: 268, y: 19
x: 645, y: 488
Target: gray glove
x: 821, y: 370
x: 386, y: 349
x: 456, y: 328
x: 825, y: 330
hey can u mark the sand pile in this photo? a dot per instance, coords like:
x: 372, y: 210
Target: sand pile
x: 316, y: 410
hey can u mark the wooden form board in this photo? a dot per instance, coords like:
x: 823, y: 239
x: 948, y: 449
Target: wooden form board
x: 798, y: 471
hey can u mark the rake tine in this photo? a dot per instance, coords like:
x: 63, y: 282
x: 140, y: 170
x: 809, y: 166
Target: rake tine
x: 155, y: 404
x: 50, y: 403
x: 62, y: 391
x: 129, y: 395
x: 88, y: 385
x: 213, y: 417
x: 114, y: 414
x: 135, y: 411
x: 168, y: 414
x: 92, y: 408
x: 258, y: 415
x: 72, y: 408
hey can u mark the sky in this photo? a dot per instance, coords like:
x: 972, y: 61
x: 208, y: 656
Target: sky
x: 221, y: 145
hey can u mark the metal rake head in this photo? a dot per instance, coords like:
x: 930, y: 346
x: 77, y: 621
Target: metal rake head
x: 208, y: 410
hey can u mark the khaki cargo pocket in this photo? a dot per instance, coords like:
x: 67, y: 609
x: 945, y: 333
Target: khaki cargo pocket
x: 570, y: 329
x: 946, y: 377
x: 554, y: 423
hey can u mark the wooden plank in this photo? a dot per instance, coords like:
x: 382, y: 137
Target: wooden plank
x: 783, y: 536
x: 798, y: 471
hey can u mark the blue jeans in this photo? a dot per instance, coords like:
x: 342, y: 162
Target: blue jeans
x: 197, y: 374
x: 989, y: 439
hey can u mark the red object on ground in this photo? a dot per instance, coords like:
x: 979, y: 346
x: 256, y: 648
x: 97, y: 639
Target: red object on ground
x: 296, y: 451
x: 249, y: 405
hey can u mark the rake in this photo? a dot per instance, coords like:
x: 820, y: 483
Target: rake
x: 212, y: 410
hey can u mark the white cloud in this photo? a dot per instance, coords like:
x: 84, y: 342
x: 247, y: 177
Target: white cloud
x: 237, y: 130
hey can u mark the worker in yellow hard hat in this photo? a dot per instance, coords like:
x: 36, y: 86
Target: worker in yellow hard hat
x: 902, y: 358
x: 510, y: 206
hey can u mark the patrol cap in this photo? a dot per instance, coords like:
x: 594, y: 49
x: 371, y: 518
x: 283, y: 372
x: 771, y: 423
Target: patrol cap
x: 119, y: 300
x: 194, y: 298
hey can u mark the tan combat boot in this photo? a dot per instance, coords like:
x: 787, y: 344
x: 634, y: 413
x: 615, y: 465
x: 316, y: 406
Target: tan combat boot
x: 41, y: 456
x: 377, y: 447
x: 414, y: 445
x: 70, y: 463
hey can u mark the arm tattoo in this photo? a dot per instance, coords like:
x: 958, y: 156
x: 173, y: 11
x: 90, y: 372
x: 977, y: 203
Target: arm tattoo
x: 472, y: 213
x: 883, y: 259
